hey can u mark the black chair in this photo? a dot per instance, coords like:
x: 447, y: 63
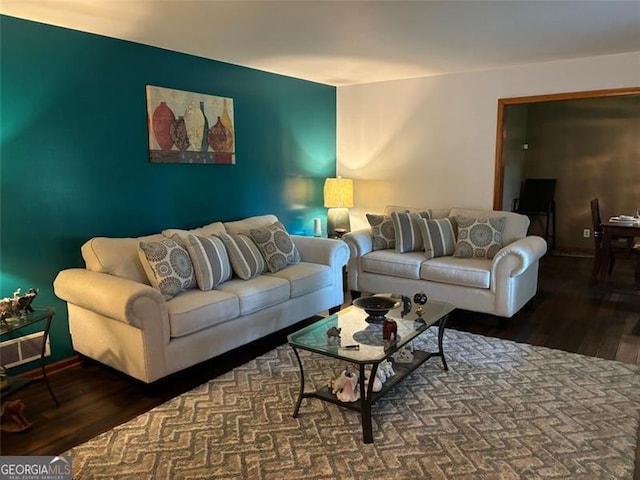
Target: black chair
x: 537, y: 200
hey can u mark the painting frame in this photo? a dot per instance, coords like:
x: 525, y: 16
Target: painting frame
x: 189, y: 127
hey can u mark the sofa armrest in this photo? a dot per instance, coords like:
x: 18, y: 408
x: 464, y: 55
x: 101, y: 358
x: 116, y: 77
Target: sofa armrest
x: 114, y: 297
x: 514, y: 259
x: 324, y: 251
x: 360, y: 242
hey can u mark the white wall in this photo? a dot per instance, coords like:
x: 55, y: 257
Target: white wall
x: 430, y: 141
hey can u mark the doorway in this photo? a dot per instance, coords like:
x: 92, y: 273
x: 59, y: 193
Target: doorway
x: 589, y: 141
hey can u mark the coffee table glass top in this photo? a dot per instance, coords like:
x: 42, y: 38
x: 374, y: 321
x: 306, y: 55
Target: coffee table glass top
x: 356, y: 331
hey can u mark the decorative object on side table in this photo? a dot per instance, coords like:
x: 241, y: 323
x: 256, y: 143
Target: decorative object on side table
x: 376, y: 306
x: 17, y: 306
x: 420, y: 299
x: 345, y: 387
x: 389, y: 329
x: 333, y: 336
x: 12, y: 417
x: 406, y: 305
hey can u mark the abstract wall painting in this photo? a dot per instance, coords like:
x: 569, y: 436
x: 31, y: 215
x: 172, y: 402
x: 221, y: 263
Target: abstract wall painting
x: 186, y: 127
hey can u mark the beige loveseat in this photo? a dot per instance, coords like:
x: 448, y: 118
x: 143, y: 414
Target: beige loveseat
x: 117, y: 318
x: 500, y: 286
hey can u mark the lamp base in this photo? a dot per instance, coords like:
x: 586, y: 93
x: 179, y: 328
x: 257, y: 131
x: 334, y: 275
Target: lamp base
x: 338, y: 222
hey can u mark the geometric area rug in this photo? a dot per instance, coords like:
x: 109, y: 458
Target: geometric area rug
x: 504, y: 410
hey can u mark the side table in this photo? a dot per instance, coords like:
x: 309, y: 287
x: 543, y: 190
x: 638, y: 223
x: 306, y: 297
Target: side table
x: 9, y: 326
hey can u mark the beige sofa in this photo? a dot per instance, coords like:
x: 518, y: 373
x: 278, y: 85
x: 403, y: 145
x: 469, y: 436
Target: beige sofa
x: 500, y: 286
x: 117, y: 318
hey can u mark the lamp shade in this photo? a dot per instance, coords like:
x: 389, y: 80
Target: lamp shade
x: 338, y: 193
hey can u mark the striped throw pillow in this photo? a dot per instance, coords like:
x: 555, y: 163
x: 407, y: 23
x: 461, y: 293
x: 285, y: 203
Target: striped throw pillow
x: 407, y: 230
x: 438, y: 236
x: 210, y: 261
x: 246, y: 260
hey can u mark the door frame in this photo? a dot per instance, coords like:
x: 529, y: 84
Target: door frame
x: 501, y: 133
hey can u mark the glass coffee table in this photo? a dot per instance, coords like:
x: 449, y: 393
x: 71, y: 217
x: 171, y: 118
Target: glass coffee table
x: 361, y: 344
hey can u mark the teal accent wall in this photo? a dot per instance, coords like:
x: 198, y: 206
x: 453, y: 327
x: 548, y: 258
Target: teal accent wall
x: 74, y: 151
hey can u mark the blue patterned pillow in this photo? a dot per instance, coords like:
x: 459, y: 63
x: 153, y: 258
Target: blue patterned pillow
x: 479, y: 237
x: 384, y: 235
x: 168, y: 266
x: 276, y: 246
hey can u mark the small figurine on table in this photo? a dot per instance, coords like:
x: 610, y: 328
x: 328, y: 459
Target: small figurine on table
x: 389, y: 330
x: 420, y: 299
x: 333, y: 336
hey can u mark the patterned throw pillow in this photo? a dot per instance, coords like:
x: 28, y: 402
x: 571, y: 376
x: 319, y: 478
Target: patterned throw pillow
x: 479, y: 237
x: 210, y: 260
x: 246, y: 259
x: 407, y: 230
x: 168, y: 266
x: 438, y: 236
x: 276, y: 246
x: 384, y: 235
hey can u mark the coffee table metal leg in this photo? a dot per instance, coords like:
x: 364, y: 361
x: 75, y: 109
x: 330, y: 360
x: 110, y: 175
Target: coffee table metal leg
x: 301, y: 393
x: 441, y: 326
x: 365, y: 408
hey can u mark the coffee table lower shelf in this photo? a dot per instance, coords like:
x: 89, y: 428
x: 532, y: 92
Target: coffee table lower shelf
x: 368, y: 397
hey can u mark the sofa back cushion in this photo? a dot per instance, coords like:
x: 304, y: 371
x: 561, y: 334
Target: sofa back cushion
x: 245, y: 225
x: 515, y: 227
x: 435, y: 212
x: 204, y: 231
x: 117, y: 256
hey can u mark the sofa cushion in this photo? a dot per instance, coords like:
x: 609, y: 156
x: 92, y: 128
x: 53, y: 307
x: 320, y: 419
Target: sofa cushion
x: 246, y: 260
x: 467, y: 272
x: 245, y: 225
x: 168, y: 266
x: 434, y: 212
x: 384, y: 235
x: 390, y: 262
x: 479, y: 237
x: 195, y: 310
x: 306, y: 277
x: 439, y: 236
x: 276, y: 246
x: 210, y: 260
x: 117, y: 256
x: 257, y: 293
x: 204, y: 231
x: 407, y: 230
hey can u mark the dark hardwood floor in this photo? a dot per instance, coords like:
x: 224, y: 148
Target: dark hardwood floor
x: 566, y: 314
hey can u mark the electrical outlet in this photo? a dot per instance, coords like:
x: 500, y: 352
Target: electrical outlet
x: 586, y: 233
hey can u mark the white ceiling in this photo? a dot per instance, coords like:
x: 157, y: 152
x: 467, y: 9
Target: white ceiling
x: 351, y: 42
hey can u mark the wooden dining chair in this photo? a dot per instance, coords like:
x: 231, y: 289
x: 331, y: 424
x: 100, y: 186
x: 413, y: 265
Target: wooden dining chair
x: 619, y: 245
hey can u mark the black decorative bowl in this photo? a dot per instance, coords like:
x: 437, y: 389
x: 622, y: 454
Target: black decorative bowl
x: 376, y: 306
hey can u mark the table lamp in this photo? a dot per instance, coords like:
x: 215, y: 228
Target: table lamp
x: 338, y: 198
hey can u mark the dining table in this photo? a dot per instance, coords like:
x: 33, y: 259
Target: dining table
x: 612, y: 229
